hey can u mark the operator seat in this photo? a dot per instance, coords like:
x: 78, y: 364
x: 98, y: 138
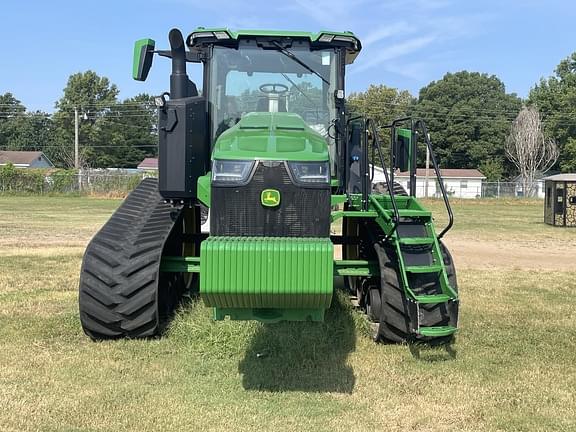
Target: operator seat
x: 263, y: 104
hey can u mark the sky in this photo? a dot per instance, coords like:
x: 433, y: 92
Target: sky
x: 406, y: 43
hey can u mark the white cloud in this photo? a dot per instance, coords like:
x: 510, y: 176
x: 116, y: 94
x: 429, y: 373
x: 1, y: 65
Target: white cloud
x: 397, y: 50
x: 385, y: 32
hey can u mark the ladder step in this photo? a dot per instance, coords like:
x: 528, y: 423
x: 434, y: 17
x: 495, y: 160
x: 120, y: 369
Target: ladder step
x: 356, y: 268
x: 416, y: 241
x: 437, y: 331
x: 435, y: 298
x: 424, y: 269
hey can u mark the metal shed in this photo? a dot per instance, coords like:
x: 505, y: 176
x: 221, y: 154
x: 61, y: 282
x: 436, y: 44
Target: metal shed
x: 560, y: 200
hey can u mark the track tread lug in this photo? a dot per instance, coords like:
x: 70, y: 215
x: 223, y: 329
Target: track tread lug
x: 120, y: 281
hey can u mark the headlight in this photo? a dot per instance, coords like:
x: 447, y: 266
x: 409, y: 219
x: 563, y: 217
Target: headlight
x: 310, y: 172
x: 231, y: 172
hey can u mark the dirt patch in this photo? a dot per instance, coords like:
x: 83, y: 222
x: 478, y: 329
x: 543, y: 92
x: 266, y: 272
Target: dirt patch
x: 525, y: 255
x: 473, y: 253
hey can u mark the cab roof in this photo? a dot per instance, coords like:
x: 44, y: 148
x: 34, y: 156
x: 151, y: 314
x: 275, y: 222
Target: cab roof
x: 322, y: 39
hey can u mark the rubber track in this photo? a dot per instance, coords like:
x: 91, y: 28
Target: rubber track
x: 119, y: 279
x: 398, y: 189
x: 394, y: 319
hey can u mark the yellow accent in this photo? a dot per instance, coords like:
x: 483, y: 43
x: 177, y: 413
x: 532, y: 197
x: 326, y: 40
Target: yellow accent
x: 270, y: 199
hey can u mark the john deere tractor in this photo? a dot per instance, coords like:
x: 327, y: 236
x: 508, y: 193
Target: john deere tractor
x: 269, y: 147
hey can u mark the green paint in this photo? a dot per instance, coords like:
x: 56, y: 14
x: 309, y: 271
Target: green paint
x: 269, y: 315
x: 338, y: 199
x: 406, y: 133
x: 270, y: 198
x: 175, y: 264
x: 338, y: 214
x: 204, y: 189
x: 314, y: 38
x: 437, y: 331
x: 140, y: 62
x: 237, y: 34
x: 356, y: 268
x: 269, y: 273
x: 408, y: 207
x: 271, y: 136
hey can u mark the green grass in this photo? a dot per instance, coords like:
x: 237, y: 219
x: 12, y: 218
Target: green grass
x: 513, y: 369
x: 499, y: 219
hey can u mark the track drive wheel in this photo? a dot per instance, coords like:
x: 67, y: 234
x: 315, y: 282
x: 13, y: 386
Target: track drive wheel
x: 394, y: 326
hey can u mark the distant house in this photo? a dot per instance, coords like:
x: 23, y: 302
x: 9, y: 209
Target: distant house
x: 148, y: 164
x: 25, y: 159
x: 459, y: 183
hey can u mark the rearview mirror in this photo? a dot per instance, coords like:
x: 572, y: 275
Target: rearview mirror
x: 402, y: 149
x: 143, y: 54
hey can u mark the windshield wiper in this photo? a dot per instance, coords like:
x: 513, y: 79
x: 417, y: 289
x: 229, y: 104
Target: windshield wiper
x: 297, y: 60
x: 297, y: 88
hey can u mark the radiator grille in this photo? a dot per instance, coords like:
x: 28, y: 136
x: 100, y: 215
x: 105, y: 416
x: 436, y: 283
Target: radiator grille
x: 303, y: 212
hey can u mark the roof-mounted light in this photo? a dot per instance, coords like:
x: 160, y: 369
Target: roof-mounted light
x: 221, y: 35
x: 326, y: 38
x: 202, y: 35
x: 350, y: 39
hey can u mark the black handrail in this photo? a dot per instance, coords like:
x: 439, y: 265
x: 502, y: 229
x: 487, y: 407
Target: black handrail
x: 364, y: 164
x: 420, y: 123
x: 389, y: 184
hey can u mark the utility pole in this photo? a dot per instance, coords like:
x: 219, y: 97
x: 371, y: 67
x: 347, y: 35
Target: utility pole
x: 76, y: 139
x: 427, y: 172
x: 77, y: 148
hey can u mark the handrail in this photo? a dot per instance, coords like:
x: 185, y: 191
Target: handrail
x: 420, y: 123
x: 376, y: 143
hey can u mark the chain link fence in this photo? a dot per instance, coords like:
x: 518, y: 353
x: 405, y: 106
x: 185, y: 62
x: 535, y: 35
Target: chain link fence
x: 121, y: 182
x: 88, y: 182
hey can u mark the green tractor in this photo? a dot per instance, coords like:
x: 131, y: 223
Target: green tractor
x: 271, y: 150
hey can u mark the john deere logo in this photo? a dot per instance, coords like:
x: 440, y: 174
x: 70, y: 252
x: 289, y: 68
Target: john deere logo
x: 270, y: 197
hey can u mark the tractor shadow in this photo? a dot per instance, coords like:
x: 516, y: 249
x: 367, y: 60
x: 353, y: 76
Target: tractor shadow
x: 303, y: 356
x: 433, y: 354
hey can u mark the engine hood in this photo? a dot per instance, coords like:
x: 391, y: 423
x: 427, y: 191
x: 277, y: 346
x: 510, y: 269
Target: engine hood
x: 271, y: 136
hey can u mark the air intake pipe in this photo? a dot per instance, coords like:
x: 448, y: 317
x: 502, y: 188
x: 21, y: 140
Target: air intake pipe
x: 183, y: 151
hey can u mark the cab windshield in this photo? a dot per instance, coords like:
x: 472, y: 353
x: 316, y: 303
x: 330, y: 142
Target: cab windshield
x: 251, y: 78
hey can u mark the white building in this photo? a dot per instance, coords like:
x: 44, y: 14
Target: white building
x: 459, y: 183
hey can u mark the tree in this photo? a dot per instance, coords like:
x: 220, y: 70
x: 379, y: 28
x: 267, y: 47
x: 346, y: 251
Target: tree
x: 10, y: 108
x: 555, y: 98
x: 28, y: 131
x: 127, y: 133
x: 528, y: 148
x: 381, y: 103
x: 93, y: 96
x: 568, y: 163
x: 21, y: 130
x: 468, y: 116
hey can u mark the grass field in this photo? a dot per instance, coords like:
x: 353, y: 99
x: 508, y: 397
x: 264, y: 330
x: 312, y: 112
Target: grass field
x: 513, y: 367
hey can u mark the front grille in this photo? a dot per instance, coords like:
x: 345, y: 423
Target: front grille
x: 303, y: 212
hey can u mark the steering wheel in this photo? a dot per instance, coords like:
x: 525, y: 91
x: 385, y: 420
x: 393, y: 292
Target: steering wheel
x: 278, y: 89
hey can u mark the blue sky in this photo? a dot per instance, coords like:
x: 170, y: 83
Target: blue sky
x: 407, y: 43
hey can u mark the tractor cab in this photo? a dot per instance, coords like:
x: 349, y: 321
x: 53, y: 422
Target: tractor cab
x: 271, y: 73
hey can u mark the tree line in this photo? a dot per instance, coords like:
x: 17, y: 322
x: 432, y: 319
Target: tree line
x: 112, y: 133
x: 469, y: 117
